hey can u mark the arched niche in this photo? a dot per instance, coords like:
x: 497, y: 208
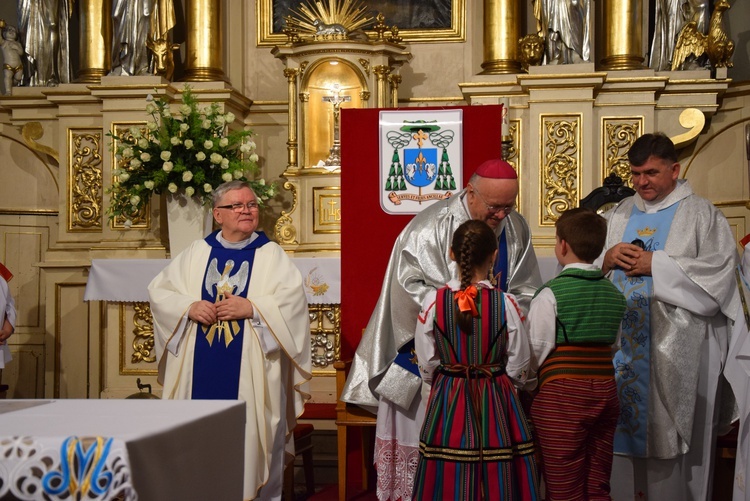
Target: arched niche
x: 320, y: 82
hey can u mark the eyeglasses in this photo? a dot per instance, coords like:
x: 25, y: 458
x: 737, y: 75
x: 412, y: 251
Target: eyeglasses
x: 238, y: 207
x: 493, y: 209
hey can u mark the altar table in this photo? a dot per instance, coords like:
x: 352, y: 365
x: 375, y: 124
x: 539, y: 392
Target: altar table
x: 122, y: 449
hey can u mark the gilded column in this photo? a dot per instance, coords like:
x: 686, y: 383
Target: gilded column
x: 292, y: 145
x: 95, y: 42
x: 395, y: 80
x: 502, y: 28
x: 381, y: 98
x: 203, y: 44
x: 622, y: 35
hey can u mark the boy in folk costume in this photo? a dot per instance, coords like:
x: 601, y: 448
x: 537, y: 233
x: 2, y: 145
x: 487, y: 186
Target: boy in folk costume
x: 573, y: 322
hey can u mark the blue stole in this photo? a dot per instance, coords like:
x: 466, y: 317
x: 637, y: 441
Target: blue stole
x: 501, y: 265
x: 218, y: 347
x: 632, y: 361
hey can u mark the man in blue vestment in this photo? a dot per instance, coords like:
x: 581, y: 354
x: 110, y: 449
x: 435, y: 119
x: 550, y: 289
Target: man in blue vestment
x: 673, y: 255
x: 231, y: 322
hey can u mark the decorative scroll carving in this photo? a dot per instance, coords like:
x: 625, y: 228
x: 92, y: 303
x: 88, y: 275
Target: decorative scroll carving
x: 86, y: 192
x: 325, y: 335
x: 619, y: 135
x: 693, y: 119
x: 561, y: 166
x: 512, y: 153
x: 284, y: 230
x: 143, y: 334
x: 365, y: 64
x: 33, y: 131
x: 140, y: 218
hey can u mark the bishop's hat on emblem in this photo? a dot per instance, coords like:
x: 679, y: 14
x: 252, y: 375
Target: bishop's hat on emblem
x: 496, y: 169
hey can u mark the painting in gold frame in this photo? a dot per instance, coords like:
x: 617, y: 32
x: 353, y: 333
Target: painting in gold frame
x: 417, y: 20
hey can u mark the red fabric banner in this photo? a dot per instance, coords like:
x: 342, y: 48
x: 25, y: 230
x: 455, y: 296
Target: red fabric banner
x: 367, y: 232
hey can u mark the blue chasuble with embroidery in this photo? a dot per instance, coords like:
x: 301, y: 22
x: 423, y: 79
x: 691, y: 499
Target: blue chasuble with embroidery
x: 218, y: 347
x: 632, y: 361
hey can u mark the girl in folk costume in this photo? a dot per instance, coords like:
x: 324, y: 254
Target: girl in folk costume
x: 473, y: 351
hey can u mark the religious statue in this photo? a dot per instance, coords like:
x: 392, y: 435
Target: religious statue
x: 566, y: 27
x: 130, y: 28
x: 692, y: 43
x: 12, y: 52
x: 670, y: 16
x: 44, y: 30
x: 139, y: 37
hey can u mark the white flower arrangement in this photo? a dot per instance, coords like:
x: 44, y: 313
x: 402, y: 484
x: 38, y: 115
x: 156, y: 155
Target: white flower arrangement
x: 190, y: 152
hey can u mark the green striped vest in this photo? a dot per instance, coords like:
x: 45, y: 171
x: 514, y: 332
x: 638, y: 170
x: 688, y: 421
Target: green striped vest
x: 589, y: 307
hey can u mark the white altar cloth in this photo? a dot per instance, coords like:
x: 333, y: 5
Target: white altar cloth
x: 126, y: 280
x: 160, y: 449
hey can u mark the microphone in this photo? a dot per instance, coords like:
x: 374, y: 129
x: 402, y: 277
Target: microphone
x: 638, y: 242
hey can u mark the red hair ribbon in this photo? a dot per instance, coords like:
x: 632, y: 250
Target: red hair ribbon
x: 466, y: 300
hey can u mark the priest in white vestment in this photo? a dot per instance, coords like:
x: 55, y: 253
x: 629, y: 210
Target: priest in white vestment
x: 384, y: 372
x: 673, y: 255
x: 231, y: 322
x: 737, y: 373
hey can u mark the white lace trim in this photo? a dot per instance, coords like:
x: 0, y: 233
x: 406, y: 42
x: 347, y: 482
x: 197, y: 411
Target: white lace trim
x: 396, y: 466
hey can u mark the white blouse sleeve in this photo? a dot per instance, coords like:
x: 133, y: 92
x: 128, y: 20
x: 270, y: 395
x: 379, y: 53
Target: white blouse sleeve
x: 518, y: 348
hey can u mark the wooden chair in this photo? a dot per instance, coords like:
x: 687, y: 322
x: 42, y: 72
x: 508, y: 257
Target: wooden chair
x: 352, y: 415
x: 608, y: 195
x: 302, y: 447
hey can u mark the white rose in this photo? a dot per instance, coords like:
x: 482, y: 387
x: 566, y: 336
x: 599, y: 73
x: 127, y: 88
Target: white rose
x: 127, y: 152
x: 185, y: 109
x: 135, y: 131
x: 271, y: 192
x: 149, y: 185
x: 254, y: 157
x: 220, y: 121
x: 188, y: 143
x: 251, y: 144
x: 174, y: 140
x: 227, y: 176
x: 167, y: 166
x: 172, y: 188
x: 152, y: 126
x: 135, y: 163
x: 166, y: 113
x: 190, y: 191
x: 262, y: 182
x: 165, y: 155
x: 145, y: 156
x: 200, y: 156
x: 208, y: 144
x: 184, y: 127
x: 123, y: 176
x: 187, y: 176
x: 244, y: 148
x: 143, y: 143
x: 150, y: 108
x: 216, y: 158
x: 206, y: 124
x: 224, y: 142
x: 238, y: 174
x: 229, y: 117
x: 135, y: 200
x: 224, y: 163
x: 207, y: 188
